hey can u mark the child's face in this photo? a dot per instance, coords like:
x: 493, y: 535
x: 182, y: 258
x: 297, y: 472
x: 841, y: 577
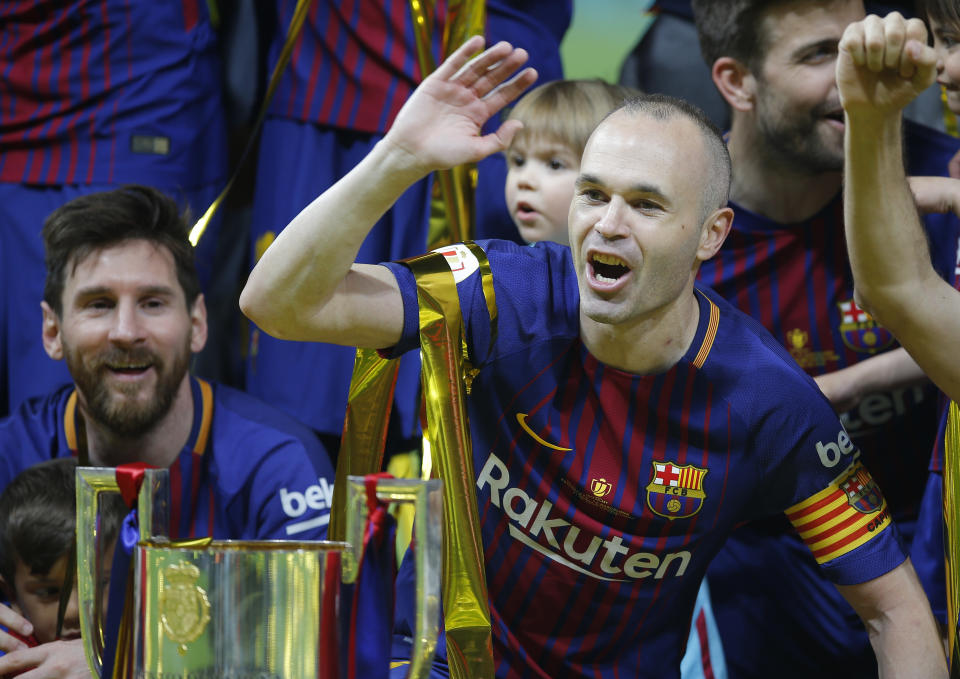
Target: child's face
x: 36, y: 597
x: 540, y: 182
x: 946, y: 41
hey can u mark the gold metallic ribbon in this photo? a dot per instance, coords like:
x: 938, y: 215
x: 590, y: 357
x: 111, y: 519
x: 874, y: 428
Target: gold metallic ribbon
x: 364, y: 429
x: 951, y: 520
x: 465, y: 602
x: 447, y: 375
x: 293, y: 31
x: 451, y: 207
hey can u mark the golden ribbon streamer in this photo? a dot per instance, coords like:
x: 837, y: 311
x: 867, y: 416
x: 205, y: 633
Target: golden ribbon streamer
x: 293, y: 31
x: 451, y: 206
x: 951, y: 521
x: 364, y: 429
x: 447, y: 375
x: 466, y: 605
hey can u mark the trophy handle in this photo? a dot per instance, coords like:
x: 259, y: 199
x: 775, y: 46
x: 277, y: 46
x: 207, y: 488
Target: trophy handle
x: 427, y: 500
x: 152, y: 511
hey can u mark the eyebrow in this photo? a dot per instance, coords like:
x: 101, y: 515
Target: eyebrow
x: 643, y: 188
x: 95, y: 290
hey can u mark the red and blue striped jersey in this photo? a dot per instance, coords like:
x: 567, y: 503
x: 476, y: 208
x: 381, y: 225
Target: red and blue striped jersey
x: 603, y: 495
x: 107, y: 91
x: 355, y: 62
x: 795, y: 279
x: 353, y: 65
x: 246, y: 471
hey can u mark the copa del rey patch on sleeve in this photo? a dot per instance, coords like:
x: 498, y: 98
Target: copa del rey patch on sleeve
x: 842, y: 516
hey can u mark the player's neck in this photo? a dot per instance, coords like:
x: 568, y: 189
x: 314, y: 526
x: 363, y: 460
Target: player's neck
x: 159, y: 446
x: 648, y: 345
x: 773, y: 189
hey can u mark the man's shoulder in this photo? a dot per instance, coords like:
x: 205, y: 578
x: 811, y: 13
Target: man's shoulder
x: 32, y: 433
x: 749, y: 359
x: 239, y: 417
x: 37, y: 419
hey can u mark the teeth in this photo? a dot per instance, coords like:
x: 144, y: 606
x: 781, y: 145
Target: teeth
x: 604, y: 279
x: 608, y: 259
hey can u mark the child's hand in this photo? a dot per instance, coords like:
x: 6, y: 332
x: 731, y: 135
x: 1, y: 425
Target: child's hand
x: 936, y: 195
x: 14, y: 621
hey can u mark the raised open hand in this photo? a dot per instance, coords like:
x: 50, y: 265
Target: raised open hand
x: 439, y: 126
x: 883, y: 64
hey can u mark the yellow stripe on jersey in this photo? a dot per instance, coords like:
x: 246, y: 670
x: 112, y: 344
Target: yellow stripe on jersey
x: 206, y: 394
x: 847, y: 513
x: 709, y: 335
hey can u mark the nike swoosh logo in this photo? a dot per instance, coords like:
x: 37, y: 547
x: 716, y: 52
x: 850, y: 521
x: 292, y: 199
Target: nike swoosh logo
x: 522, y: 419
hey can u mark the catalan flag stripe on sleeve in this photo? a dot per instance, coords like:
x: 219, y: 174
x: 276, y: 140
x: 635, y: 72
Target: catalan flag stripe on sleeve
x: 842, y: 516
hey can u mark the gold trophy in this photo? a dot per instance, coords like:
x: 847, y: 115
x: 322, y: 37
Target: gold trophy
x: 238, y: 608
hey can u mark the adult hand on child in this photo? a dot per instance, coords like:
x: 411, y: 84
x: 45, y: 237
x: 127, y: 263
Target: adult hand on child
x: 55, y: 660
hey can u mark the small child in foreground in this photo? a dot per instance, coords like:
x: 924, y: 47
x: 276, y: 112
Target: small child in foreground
x: 37, y: 531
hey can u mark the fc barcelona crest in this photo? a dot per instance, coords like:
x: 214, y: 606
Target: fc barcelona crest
x: 860, y: 332
x: 675, y: 491
x: 862, y: 491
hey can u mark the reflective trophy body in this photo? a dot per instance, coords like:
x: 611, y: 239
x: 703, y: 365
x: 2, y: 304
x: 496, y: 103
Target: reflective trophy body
x: 236, y: 608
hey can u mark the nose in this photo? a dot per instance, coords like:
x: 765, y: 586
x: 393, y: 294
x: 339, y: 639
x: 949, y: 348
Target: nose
x: 611, y: 223
x: 71, y: 618
x: 525, y: 176
x: 127, y: 326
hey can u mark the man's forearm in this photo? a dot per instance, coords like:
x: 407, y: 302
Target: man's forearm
x: 312, y: 255
x: 888, y: 249
x: 902, y: 629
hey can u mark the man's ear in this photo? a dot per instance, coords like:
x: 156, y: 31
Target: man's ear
x: 52, y: 342
x: 198, y: 324
x: 736, y: 83
x: 715, y: 230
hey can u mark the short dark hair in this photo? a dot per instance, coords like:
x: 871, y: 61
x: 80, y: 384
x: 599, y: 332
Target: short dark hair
x: 101, y: 220
x: 941, y: 11
x: 38, y: 517
x: 716, y: 193
x: 731, y: 28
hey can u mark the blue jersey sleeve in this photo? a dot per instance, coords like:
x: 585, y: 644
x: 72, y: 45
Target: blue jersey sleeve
x: 809, y: 467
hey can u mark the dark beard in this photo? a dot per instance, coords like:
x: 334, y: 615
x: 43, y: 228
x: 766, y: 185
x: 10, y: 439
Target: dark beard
x: 795, y: 143
x: 121, y: 418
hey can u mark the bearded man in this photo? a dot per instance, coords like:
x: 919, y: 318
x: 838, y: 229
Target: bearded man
x: 122, y: 306
x: 785, y: 263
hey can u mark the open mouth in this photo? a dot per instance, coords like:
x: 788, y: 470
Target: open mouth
x: 835, y: 117
x: 131, y: 369
x: 525, y: 211
x: 608, y: 268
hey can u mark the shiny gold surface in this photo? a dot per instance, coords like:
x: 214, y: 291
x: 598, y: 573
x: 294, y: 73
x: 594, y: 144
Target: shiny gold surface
x: 951, y: 519
x: 466, y: 608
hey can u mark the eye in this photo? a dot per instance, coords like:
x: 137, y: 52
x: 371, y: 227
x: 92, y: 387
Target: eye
x: 646, y: 205
x: 154, y: 303
x: 515, y: 160
x: 819, y: 54
x: 47, y: 594
x: 946, y: 40
x: 593, y: 195
x: 556, y: 164
x: 99, y: 304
